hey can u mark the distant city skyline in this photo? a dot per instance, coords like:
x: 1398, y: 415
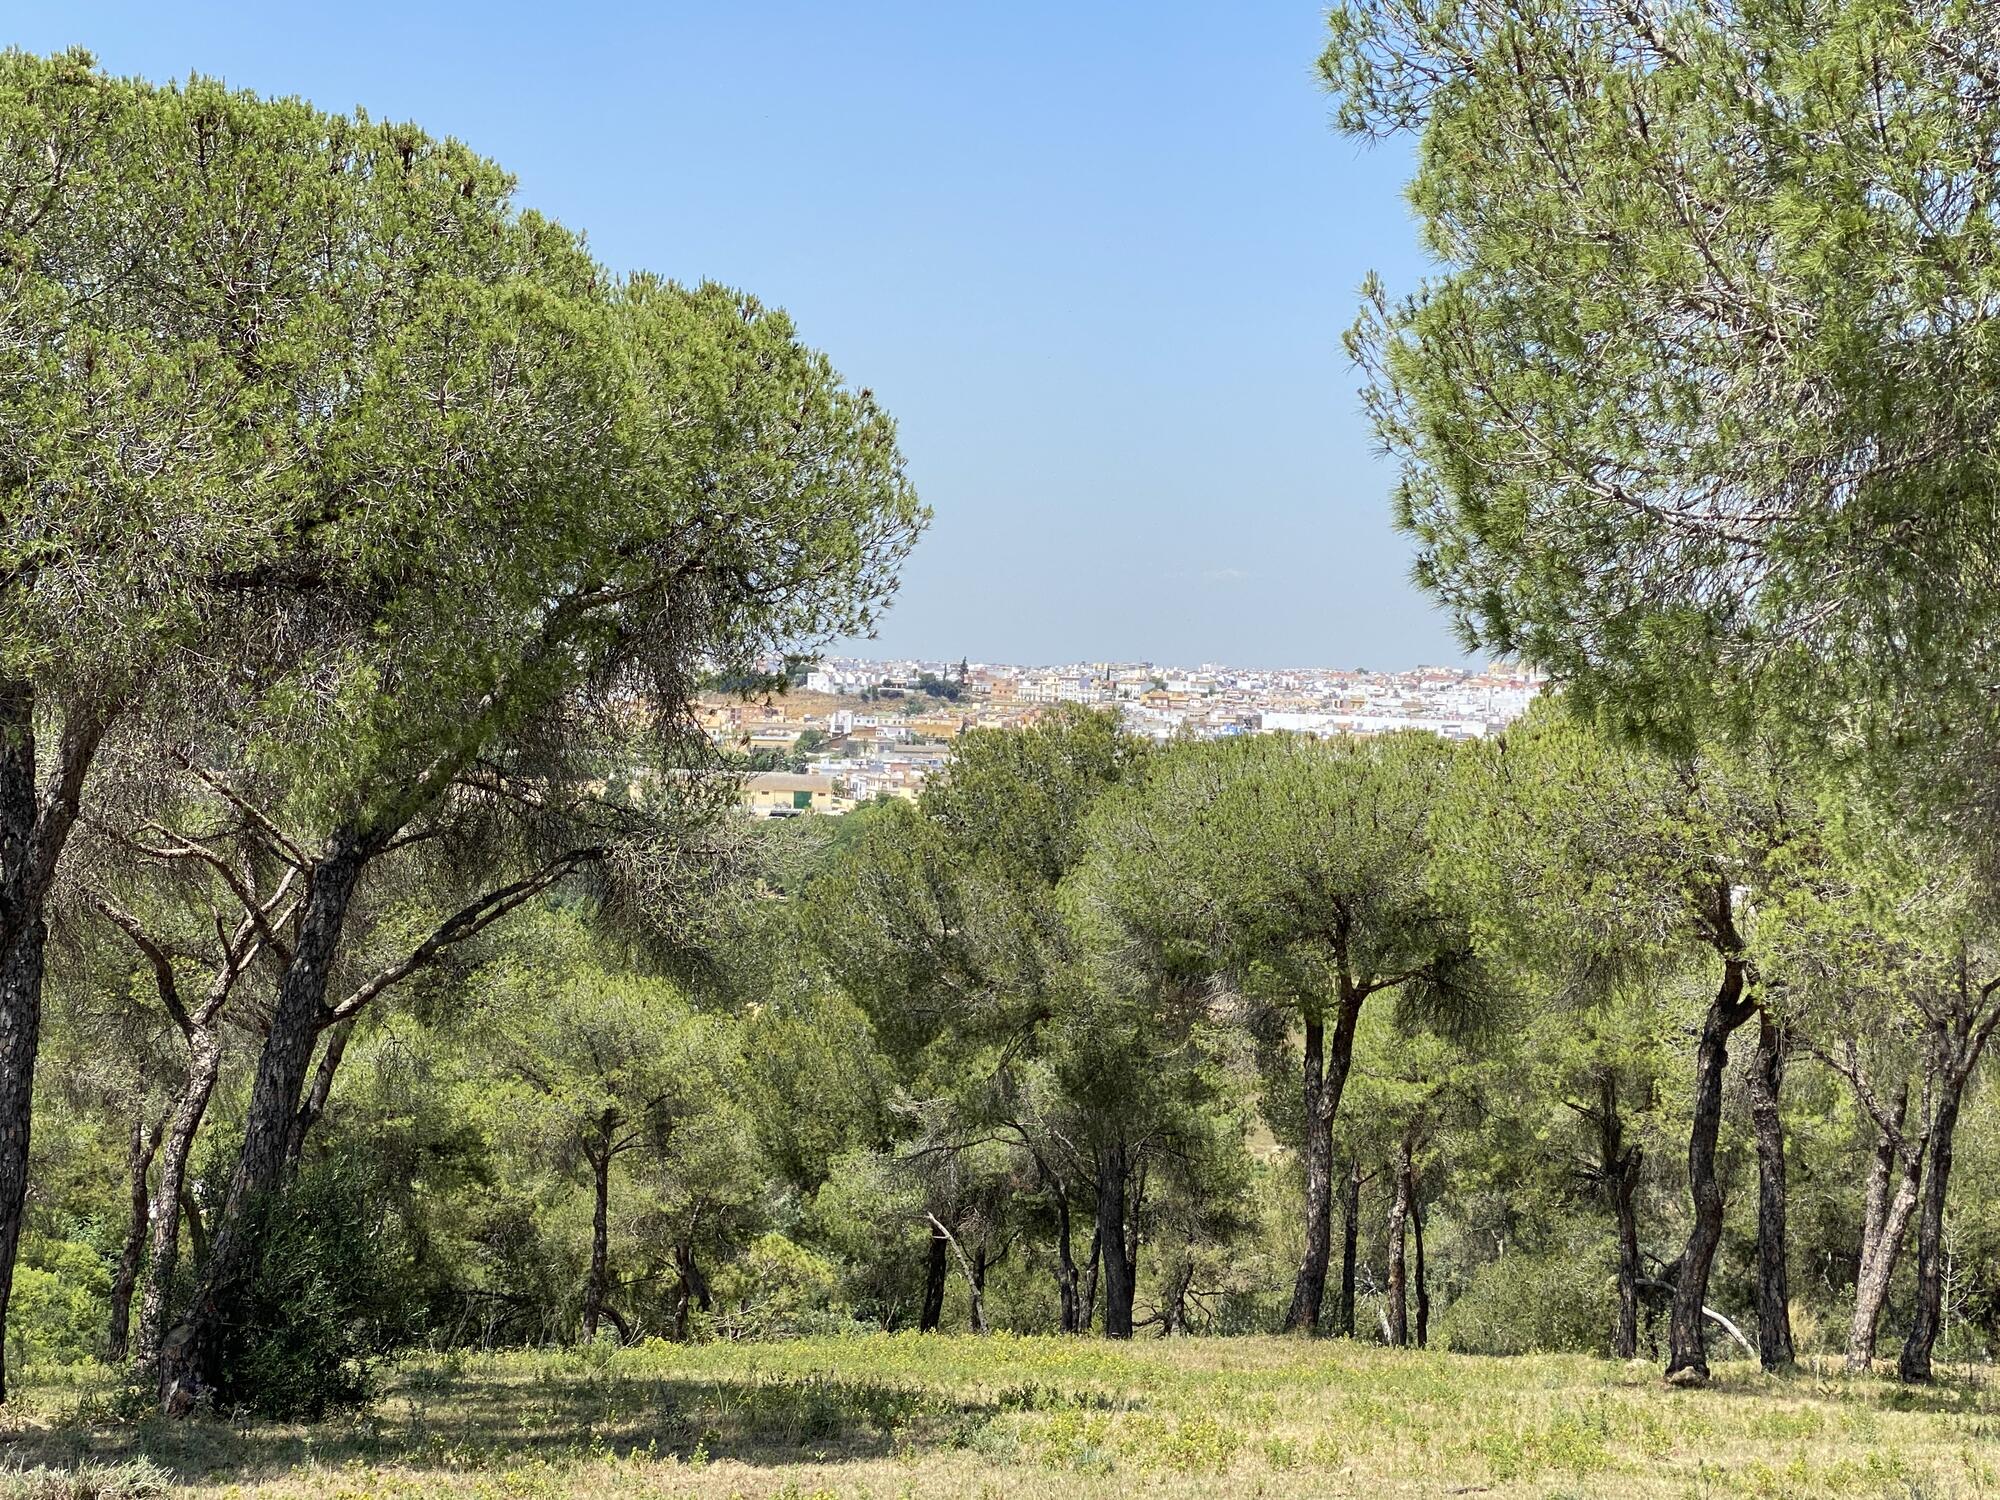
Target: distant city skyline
x: 1095, y: 259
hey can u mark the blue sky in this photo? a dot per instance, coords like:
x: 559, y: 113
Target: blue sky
x: 1096, y: 258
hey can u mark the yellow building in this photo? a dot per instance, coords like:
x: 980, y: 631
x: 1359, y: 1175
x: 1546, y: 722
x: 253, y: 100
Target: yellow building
x: 782, y: 794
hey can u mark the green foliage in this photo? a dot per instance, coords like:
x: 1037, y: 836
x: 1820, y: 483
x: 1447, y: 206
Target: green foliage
x: 331, y: 1295
x: 1546, y: 1302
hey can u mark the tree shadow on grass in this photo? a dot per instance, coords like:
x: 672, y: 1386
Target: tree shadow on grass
x: 482, y: 1421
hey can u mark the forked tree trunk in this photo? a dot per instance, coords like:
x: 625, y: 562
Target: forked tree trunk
x: 1350, y: 1236
x: 1687, y: 1356
x: 1324, y: 1079
x: 1884, y: 1226
x: 1399, y: 1213
x: 188, y: 1355
x: 1767, y: 1079
x: 1112, y: 1242
x: 1068, y: 1281
x: 691, y: 1293
x: 139, y: 1155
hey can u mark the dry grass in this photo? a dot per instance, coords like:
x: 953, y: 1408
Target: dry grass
x: 1038, y: 1419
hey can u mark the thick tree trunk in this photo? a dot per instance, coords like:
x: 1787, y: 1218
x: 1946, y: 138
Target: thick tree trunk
x: 204, y: 1063
x: 1309, y: 1288
x: 1767, y: 1081
x: 597, y: 1285
x: 1884, y: 1225
x: 1111, y: 1239
x: 33, y: 832
x: 188, y: 1353
x: 1399, y: 1213
x: 934, y: 1274
x: 1928, y: 1321
x: 139, y: 1155
x: 20, y: 1038
x: 1350, y: 1237
x: 1687, y: 1356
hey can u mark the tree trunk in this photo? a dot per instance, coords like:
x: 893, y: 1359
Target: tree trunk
x: 188, y: 1355
x: 597, y: 1286
x: 1767, y: 1080
x: 204, y: 1063
x: 1928, y: 1321
x: 1399, y: 1213
x: 1423, y: 1283
x: 139, y: 1155
x: 1067, y: 1279
x: 1112, y: 1243
x: 933, y: 1312
x: 1325, y: 1078
x: 1885, y: 1223
x: 1623, y: 1189
x: 20, y: 1038
x: 1173, y: 1309
x: 1687, y: 1356
x: 1350, y: 1236
x: 1089, y: 1308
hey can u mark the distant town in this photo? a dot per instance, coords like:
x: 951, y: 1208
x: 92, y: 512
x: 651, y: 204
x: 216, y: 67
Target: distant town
x: 850, y: 729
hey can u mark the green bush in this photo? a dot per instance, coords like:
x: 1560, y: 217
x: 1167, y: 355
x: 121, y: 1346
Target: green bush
x: 60, y: 1303
x: 335, y: 1290
x: 779, y: 1289
x: 1554, y: 1302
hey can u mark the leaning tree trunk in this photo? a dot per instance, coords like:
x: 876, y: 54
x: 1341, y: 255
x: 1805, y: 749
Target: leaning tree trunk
x: 1774, y: 1317
x: 189, y: 1354
x: 1350, y: 1236
x: 1399, y: 1213
x: 934, y: 1275
x: 1111, y: 1239
x: 1687, y: 1356
x: 138, y: 1162
x: 1915, y: 1361
x: 597, y: 1285
x: 204, y: 1063
x: 1884, y: 1226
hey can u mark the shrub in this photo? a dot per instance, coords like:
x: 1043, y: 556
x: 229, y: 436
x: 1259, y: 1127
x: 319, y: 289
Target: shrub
x: 1552, y: 1302
x: 335, y: 1290
x: 60, y: 1303
x: 779, y: 1289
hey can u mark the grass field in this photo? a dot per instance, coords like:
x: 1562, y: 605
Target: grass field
x: 1033, y: 1419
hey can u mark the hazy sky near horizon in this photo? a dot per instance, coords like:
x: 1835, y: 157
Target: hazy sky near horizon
x: 1095, y: 257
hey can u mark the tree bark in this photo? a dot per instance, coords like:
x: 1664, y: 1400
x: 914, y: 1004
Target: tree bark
x: 187, y: 1363
x: 1687, y: 1356
x: 1423, y: 1283
x: 204, y: 1063
x: 1399, y: 1213
x: 934, y: 1274
x: 1928, y: 1321
x: 1623, y: 1190
x: 337, y: 1038
x: 1088, y: 1311
x: 1767, y: 1080
x: 1111, y: 1239
x: 1350, y: 1236
x: 139, y: 1155
x: 34, y: 828
x: 1884, y: 1225
x: 597, y: 1286
x: 1324, y: 1079
x: 1067, y: 1278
